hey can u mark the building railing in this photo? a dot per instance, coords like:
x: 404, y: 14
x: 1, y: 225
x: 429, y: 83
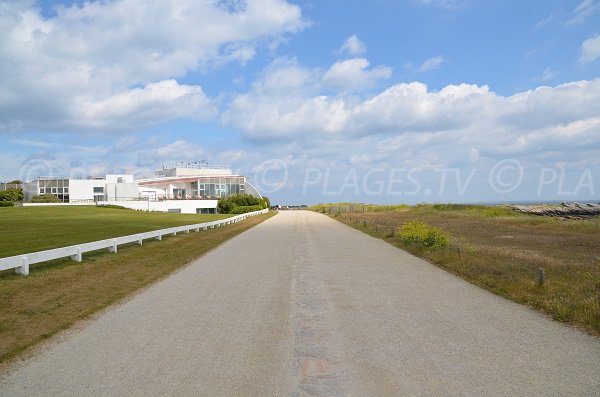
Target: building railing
x: 163, y: 197
x: 193, y: 164
x: 21, y: 262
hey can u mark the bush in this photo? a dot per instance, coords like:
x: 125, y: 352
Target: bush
x: 12, y: 194
x: 419, y: 233
x: 45, y: 198
x: 231, y: 203
x: 267, y: 201
x: 247, y: 208
x: 6, y: 204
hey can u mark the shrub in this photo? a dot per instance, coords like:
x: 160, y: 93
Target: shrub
x: 45, y: 198
x: 267, y: 202
x: 6, y: 204
x: 230, y: 204
x: 246, y: 208
x: 419, y: 233
x: 12, y: 194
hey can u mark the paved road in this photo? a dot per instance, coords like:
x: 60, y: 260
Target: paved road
x: 302, y: 305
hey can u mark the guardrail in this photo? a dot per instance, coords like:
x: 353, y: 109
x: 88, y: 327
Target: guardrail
x: 21, y: 262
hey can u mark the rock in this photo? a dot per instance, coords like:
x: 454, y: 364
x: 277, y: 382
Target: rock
x: 563, y: 210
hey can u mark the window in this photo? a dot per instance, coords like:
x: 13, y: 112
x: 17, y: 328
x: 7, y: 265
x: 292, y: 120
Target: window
x: 120, y: 179
x: 99, y: 189
x: 66, y: 190
x: 174, y: 210
x: 53, y: 190
x: 42, y: 190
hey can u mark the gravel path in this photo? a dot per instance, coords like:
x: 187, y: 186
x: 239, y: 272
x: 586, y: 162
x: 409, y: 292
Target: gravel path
x: 302, y: 305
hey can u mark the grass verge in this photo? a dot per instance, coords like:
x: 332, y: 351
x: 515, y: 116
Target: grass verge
x: 500, y: 250
x: 30, y: 229
x: 57, y: 294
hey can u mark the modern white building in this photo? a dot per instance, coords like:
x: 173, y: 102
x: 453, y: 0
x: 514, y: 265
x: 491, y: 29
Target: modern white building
x: 192, y: 188
x: 93, y: 189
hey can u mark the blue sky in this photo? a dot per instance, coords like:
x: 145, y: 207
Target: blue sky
x: 317, y: 101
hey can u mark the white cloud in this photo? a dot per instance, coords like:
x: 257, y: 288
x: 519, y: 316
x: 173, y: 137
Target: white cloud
x: 584, y: 10
x: 290, y: 95
x: 140, y: 106
x: 548, y: 74
x: 545, y: 21
x: 354, y: 46
x: 179, y: 150
x: 408, y: 124
x: 432, y: 63
x: 590, y: 50
x: 98, y: 51
x: 352, y: 74
x: 449, y: 4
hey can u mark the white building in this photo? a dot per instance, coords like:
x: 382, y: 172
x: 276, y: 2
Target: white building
x: 94, y: 189
x: 191, y: 188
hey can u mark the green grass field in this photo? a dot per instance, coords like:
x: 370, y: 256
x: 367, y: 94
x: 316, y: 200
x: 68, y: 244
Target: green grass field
x: 30, y: 229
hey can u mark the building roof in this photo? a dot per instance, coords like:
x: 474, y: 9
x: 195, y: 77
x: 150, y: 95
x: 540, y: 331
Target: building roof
x: 169, y: 179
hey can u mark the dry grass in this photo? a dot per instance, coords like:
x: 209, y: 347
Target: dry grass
x: 501, y: 251
x: 58, y: 294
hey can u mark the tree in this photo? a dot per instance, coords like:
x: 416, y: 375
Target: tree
x: 12, y: 195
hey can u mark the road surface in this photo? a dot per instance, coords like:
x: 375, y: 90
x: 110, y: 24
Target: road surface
x: 302, y: 305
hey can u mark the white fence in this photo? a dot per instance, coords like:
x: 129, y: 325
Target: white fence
x: 21, y: 262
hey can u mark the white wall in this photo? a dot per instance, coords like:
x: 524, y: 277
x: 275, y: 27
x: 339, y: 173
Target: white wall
x: 121, y: 191
x: 83, y: 189
x: 152, y: 192
x: 114, y: 178
x: 186, y: 206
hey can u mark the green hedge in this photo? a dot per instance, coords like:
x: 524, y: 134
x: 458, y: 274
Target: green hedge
x: 45, y: 198
x: 240, y: 204
x: 246, y: 208
x: 6, y: 204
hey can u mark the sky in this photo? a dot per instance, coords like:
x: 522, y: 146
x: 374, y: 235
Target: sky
x: 314, y: 101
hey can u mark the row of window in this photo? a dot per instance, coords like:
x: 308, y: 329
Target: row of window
x: 216, y: 189
x: 53, y: 183
x: 54, y: 190
x: 198, y: 210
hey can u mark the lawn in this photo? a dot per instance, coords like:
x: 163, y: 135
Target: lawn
x: 30, y: 229
x: 59, y: 293
x: 500, y: 250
